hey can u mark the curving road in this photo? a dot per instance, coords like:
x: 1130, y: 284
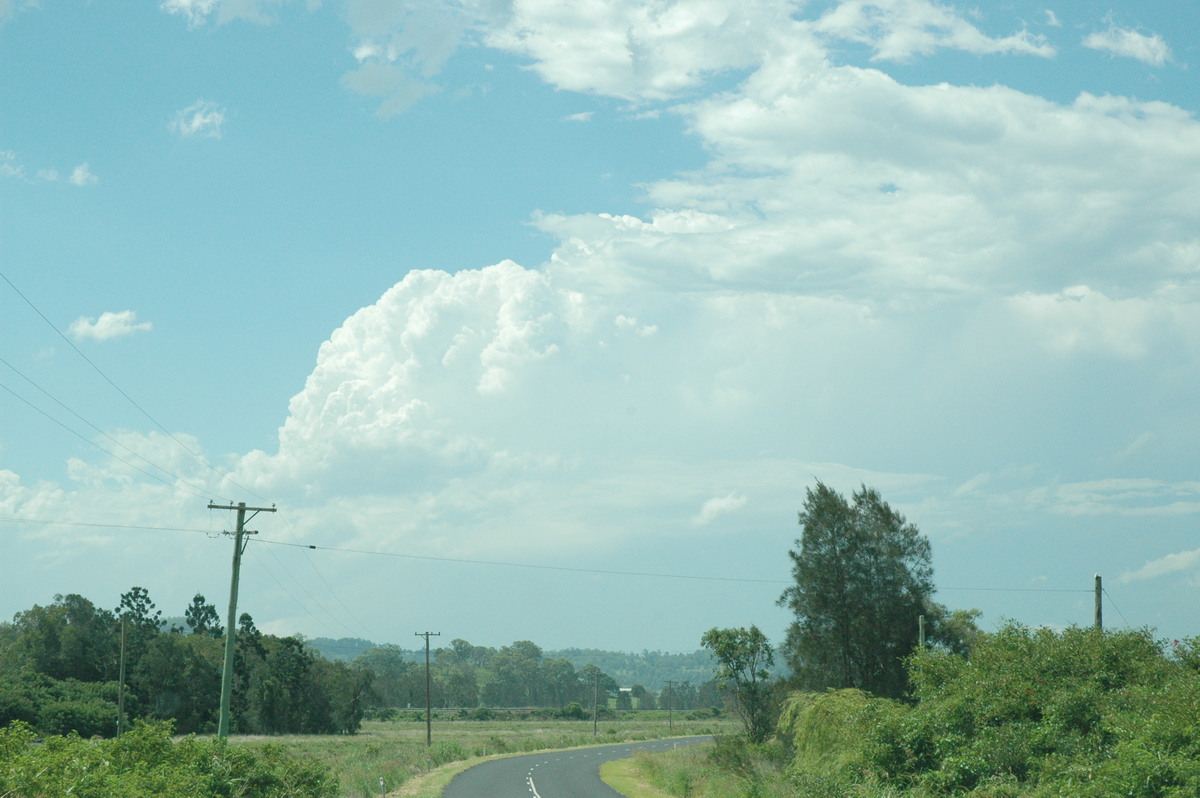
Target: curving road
x: 560, y: 774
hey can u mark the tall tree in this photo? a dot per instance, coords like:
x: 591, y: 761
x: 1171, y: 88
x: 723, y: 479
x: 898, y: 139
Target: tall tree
x: 863, y: 576
x: 202, y: 618
x: 743, y: 659
x: 138, y: 610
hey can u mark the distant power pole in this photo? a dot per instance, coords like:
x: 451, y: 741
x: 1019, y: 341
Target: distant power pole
x: 596, y: 704
x: 428, y: 689
x: 121, y: 683
x: 239, y: 546
x: 670, y: 705
x: 1099, y: 603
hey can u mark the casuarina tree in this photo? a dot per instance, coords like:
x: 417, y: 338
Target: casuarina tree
x: 863, y: 576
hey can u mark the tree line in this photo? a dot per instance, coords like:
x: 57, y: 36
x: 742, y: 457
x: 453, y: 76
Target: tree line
x: 467, y: 676
x: 60, y: 668
x: 61, y: 665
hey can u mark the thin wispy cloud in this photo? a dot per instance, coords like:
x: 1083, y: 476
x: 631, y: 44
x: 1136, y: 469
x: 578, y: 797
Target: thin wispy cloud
x: 202, y: 119
x: 899, y: 30
x: 1129, y: 43
x: 9, y: 166
x: 1170, y: 564
x: 108, y: 326
x: 718, y: 506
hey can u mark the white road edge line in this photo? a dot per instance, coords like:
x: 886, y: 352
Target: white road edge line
x: 532, y: 788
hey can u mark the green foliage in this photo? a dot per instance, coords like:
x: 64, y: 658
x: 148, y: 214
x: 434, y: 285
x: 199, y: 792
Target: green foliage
x: 1085, y: 711
x: 202, y: 618
x: 62, y: 663
x: 863, y: 575
x: 824, y: 732
x: 743, y: 660
x: 145, y: 763
x: 1033, y: 714
x: 84, y: 718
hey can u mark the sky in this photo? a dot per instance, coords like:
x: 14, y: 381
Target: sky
x: 538, y: 319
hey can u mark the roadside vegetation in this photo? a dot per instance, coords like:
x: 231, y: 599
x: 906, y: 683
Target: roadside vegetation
x: 146, y: 762
x: 868, y: 711
x: 1031, y: 714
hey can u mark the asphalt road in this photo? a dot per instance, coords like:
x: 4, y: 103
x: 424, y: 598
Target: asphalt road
x: 562, y: 774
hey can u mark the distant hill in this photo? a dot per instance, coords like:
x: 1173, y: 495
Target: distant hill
x: 651, y: 669
x: 344, y: 649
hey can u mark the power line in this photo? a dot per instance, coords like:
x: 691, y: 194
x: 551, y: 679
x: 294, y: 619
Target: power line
x: 521, y: 564
x: 198, y: 490
x: 45, y: 522
x: 1115, y: 607
x: 288, y: 593
x: 535, y: 566
x: 1021, y: 589
x: 292, y: 532
x: 315, y: 601
x: 200, y: 458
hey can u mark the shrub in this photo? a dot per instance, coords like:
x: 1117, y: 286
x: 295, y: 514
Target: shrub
x: 145, y: 763
x: 84, y: 718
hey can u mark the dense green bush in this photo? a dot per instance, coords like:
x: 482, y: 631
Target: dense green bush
x: 1032, y: 714
x: 1037, y: 707
x: 146, y: 763
x: 84, y: 718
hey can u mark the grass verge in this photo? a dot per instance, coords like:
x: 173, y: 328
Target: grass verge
x: 624, y: 776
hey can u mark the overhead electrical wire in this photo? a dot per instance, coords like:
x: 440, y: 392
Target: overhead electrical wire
x: 266, y: 569
x: 1115, y: 607
x: 517, y: 564
x: 313, y: 599
x: 198, y: 457
x: 197, y: 490
x: 292, y: 532
x: 90, y: 442
x: 504, y: 564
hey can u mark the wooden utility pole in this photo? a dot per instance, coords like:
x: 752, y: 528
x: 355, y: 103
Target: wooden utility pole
x: 596, y: 703
x: 239, y: 546
x: 428, y: 689
x: 671, y: 705
x: 121, y: 683
x: 1099, y: 603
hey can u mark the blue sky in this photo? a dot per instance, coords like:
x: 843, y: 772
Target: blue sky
x: 599, y: 288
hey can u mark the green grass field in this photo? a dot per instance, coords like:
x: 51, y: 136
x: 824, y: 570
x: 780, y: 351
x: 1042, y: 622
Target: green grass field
x: 395, y: 751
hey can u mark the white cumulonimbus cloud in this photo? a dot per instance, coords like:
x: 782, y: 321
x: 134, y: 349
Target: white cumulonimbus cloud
x: 945, y: 252
x: 108, y: 326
